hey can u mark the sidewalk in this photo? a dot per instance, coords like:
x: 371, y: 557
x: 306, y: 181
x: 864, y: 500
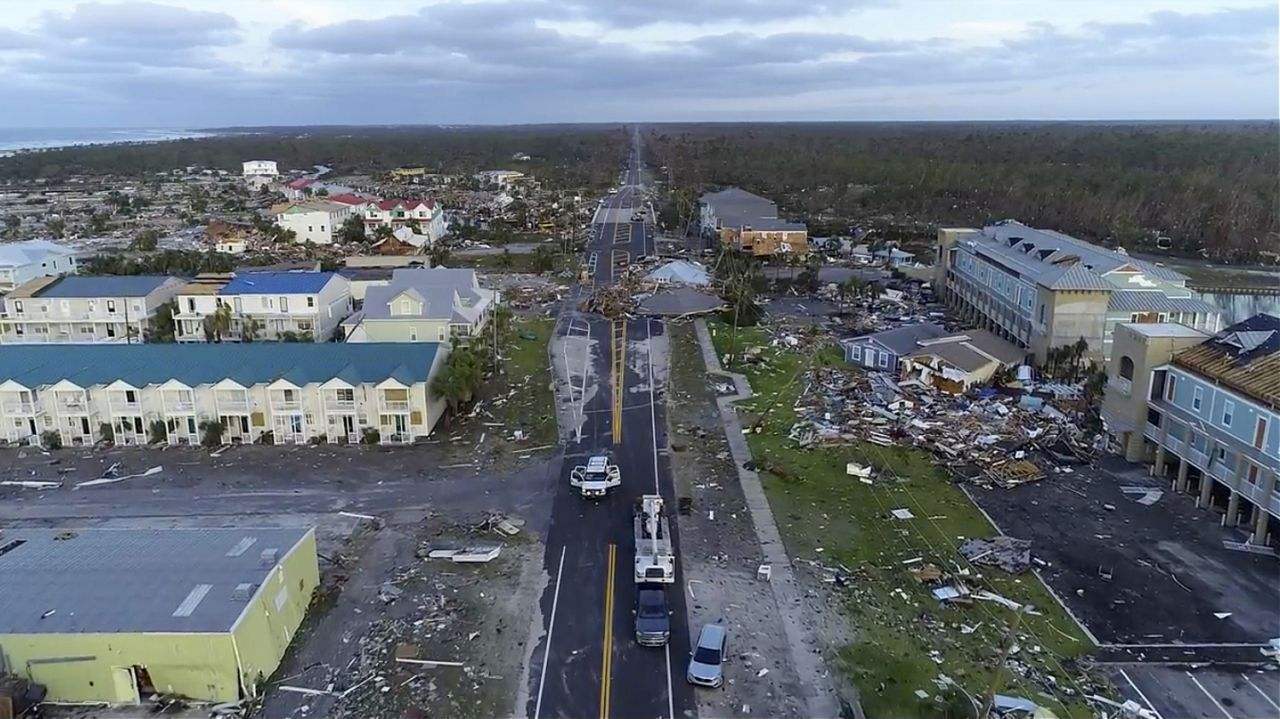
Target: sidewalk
x: 820, y: 697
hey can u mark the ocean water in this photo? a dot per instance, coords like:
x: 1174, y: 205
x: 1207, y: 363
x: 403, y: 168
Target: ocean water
x: 36, y: 138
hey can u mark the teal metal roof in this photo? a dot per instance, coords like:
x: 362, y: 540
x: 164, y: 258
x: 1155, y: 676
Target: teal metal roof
x: 195, y: 364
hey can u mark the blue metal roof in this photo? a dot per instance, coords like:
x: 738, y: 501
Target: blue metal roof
x: 104, y: 286
x: 196, y: 364
x: 277, y: 283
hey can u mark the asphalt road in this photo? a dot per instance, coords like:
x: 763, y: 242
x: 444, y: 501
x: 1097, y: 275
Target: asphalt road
x: 588, y: 664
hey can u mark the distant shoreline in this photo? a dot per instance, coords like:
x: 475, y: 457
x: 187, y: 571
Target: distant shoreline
x: 14, y: 141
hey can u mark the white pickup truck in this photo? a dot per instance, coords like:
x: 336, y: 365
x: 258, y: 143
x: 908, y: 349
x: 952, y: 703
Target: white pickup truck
x: 596, y: 477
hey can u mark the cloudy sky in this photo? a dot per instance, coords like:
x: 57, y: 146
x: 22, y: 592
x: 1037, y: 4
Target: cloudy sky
x: 204, y: 63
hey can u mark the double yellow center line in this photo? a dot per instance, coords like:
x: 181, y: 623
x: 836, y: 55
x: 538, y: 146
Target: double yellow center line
x: 619, y: 375
x: 606, y: 667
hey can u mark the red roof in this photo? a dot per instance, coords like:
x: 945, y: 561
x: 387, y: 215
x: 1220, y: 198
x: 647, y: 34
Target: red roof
x: 299, y: 183
x: 347, y: 198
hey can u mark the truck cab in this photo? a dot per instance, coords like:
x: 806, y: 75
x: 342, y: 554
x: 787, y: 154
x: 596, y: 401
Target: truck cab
x: 653, y: 615
x: 595, y: 478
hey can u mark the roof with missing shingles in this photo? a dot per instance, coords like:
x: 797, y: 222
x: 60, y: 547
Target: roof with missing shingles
x: 1244, y: 357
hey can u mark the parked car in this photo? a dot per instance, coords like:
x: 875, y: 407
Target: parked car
x: 707, y: 658
x: 653, y: 618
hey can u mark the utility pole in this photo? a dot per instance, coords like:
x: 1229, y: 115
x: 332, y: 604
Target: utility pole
x: 1010, y: 638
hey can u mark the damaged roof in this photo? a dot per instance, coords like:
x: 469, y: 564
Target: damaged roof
x: 134, y: 580
x: 1244, y: 357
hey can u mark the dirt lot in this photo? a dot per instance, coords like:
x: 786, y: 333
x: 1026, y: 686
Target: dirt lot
x: 721, y: 552
x: 389, y: 602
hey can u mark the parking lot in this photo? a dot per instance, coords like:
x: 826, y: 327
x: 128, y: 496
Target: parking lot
x: 1179, y: 618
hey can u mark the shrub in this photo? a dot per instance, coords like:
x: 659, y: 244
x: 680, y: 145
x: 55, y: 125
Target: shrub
x: 50, y: 439
x: 212, y: 433
x: 158, y: 432
x: 107, y: 432
x: 370, y: 435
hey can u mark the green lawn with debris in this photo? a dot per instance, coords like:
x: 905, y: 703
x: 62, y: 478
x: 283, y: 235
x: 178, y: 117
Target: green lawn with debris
x: 519, y: 398
x: 906, y: 640
x: 526, y: 383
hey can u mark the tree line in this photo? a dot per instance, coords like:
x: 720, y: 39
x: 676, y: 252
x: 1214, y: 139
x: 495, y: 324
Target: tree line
x: 1194, y: 189
x: 585, y: 156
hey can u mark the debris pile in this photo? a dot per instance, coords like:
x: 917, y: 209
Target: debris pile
x: 993, y: 440
x: 1011, y: 555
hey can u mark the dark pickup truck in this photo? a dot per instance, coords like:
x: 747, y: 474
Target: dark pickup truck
x: 653, y: 617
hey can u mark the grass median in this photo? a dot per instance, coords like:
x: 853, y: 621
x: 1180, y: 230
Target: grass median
x: 905, y: 641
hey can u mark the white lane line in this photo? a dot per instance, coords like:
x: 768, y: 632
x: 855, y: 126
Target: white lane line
x: 546, y: 654
x: 671, y: 700
x: 1141, y: 696
x: 653, y: 423
x: 1258, y: 689
x: 1212, y: 698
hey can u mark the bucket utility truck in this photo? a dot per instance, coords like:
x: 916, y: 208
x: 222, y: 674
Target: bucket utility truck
x: 655, y: 558
x: 595, y: 478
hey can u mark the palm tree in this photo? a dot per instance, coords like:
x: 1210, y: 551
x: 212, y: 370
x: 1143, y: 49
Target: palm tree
x: 220, y: 322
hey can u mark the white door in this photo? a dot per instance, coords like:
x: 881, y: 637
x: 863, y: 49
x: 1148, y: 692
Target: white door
x: 869, y: 357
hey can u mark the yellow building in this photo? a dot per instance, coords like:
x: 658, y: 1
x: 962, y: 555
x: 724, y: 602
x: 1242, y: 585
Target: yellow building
x: 107, y: 615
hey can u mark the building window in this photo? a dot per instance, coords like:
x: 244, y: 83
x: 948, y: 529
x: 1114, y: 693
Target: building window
x: 1197, y: 398
x: 1260, y: 432
x: 346, y: 395
x: 1040, y: 315
x: 191, y: 304
x: 1126, y: 368
x: 855, y: 353
x: 111, y: 307
x: 1171, y: 387
x: 17, y: 305
x: 311, y: 301
x: 413, y: 334
x: 284, y: 304
x: 884, y: 359
x: 1228, y: 412
x: 1220, y: 454
x: 1252, y: 477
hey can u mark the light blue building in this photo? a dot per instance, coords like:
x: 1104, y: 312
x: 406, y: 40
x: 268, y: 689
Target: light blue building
x: 1213, y: 414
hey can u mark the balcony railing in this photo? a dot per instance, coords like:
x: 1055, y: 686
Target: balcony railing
x: 1222, y: 471
x: 225, y: 406
x: 1198, y: 458
x: 281, y: 405
x: 181, y: 406
x: 339, y: 405
x: 395, y: 405
x: 14, y: 408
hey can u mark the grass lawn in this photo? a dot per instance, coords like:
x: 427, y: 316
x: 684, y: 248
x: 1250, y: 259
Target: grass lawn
x: 519, y: 398
x: 905, y: 639
x: 526, y: 382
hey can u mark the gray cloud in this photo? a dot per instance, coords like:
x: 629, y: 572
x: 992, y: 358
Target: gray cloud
x: 141, y: 25
x: 494, y: 62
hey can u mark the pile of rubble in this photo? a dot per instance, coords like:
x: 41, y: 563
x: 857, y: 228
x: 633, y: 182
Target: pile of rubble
x: 991, y: 440
x: 613, y: 301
